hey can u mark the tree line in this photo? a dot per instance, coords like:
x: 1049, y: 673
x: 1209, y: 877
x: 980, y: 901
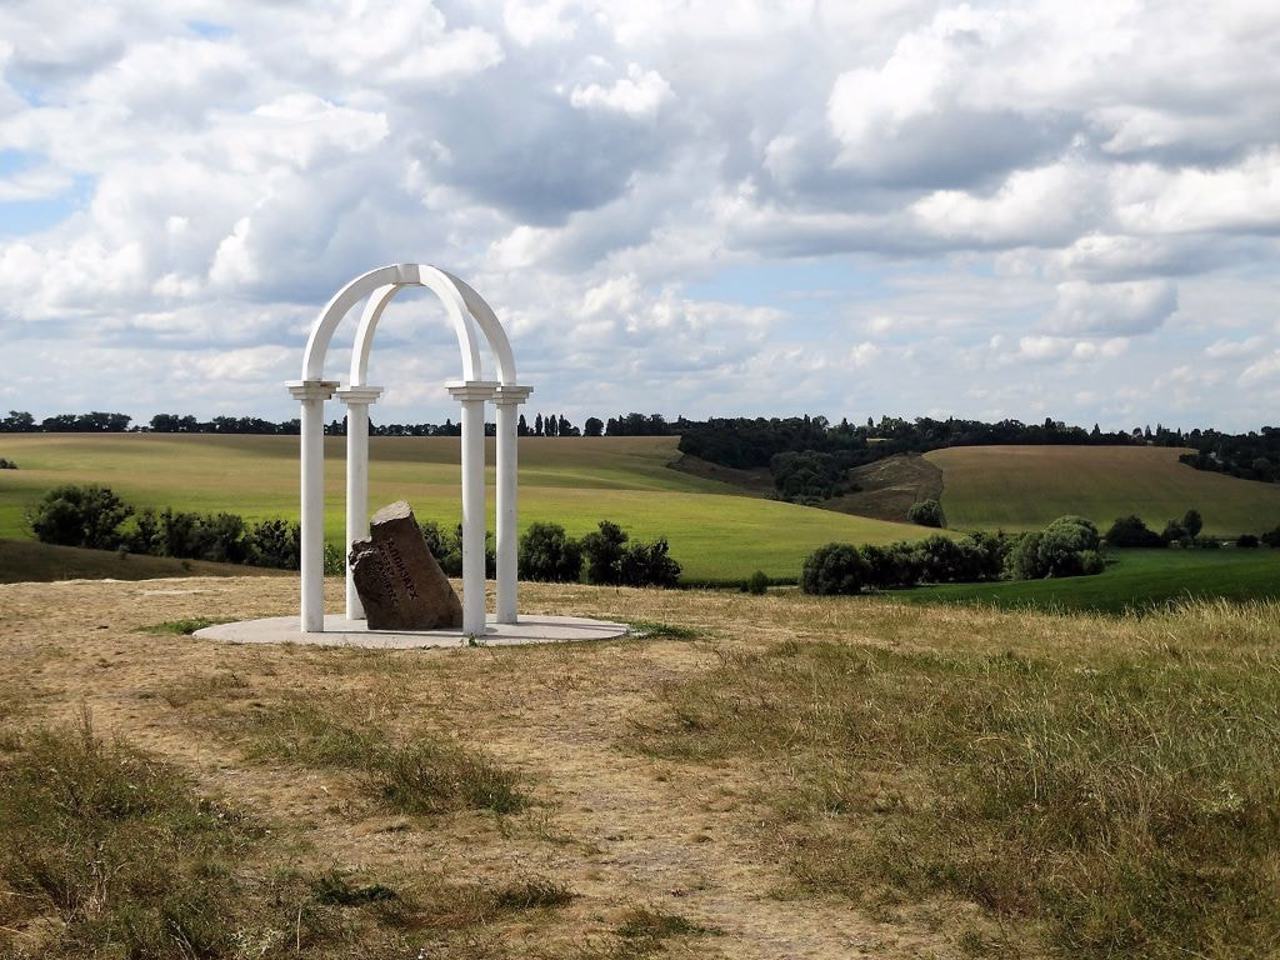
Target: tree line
x: 824, y: 451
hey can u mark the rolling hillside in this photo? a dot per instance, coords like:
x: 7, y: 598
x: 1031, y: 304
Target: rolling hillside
x: 716, y: 531
x: 25, y: 561
x: 1021, y: 488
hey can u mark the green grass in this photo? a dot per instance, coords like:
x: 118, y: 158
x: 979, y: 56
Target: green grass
x: 716, y: 531
x: 1124, y: 801
x: 1137, y: 579
x: 1024, y: 488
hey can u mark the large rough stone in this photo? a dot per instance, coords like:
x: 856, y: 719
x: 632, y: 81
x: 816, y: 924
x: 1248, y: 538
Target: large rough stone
x: 400, y: 583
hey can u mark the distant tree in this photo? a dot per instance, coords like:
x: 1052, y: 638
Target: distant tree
x: 522, y: 428
x: 927, y: 513
x: 1247, y: 541
x: 1271, y: 538
x: 1193, y: 523
x: 18, y: 421
x: 594, y: 427
x: 757, y: 584
x: 537, y: 426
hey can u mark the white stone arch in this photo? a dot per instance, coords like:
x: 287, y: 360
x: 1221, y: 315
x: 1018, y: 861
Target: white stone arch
x: 466, y: 310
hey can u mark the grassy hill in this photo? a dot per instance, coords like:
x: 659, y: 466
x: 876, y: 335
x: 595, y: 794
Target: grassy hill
x: 1137, y: 580
x: 25, y: 561
x: 1022, y: 488
x: 717, y: 531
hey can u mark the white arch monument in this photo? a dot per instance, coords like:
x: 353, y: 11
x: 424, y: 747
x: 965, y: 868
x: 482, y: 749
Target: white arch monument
x: 466, y: 310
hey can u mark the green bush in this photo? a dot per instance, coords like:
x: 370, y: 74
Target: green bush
x: 603, y: 549
x: 275, y: 543
x: 1247, y: 541
x: 1062, y: 549
x: 614, y: 561
x: 1193, y: 523
x: 927, y: 513
x: 549, y: 555
x: 7, y: 464
x: 73, y: 516
x: 1131, y: 531
x: 446, y: 547
x: 648, y: 565
x: 218, y: 537
x: 1174, y: 532
x: 836, y: 568
x: 757, y: 584
x: 1271, y: 538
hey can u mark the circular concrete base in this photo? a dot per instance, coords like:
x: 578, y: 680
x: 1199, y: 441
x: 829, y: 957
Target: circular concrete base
x: 341, y: 632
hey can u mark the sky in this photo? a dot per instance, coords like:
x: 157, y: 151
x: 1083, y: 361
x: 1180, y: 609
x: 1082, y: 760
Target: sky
x: 740, y: 207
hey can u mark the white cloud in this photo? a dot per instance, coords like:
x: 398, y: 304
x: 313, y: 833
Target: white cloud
x: 1138, y: 306
x: 1233, y: 349
x: 1264, y: 369
x: 639, y: 94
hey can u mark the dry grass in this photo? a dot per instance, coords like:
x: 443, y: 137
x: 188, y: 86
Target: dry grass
x: 1127, y: 799
x: 781, y: 835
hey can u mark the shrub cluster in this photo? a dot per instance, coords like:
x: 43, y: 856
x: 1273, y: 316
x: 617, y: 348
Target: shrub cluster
x: 446, y: 547
x: 927, y: 513
x: 550, y: 555
x: 1070, y: 546
x: 97, y: 518
x: 811, y: 476
x: 606, y: 556
x: 7, y: 464
x: 841, y: 568
x: 1131, y: 531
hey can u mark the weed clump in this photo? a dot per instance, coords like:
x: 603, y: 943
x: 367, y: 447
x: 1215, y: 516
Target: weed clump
x: 423, y: 775
x: 117, y: 846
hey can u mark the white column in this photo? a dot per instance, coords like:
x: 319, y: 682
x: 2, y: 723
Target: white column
x: 312, y: 394
x: 472, y: 394
x: 508, y: 399
x: 357, y: 400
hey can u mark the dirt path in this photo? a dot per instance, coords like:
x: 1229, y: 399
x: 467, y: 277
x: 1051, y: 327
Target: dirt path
x: 619, y: 828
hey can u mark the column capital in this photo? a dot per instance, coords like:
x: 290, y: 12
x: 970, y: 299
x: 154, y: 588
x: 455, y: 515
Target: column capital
x: 508, y: 394
x: 353, y: 395
x: 464, y: 390
x: 312, y: 389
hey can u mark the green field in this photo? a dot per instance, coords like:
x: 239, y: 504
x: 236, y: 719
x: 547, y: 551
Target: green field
x: 1024, y: 488
x: 715, y: 530
x: 1137, y: 579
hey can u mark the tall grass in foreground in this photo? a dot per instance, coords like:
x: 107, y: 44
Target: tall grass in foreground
x: 117, y: 847
x: 1129, y: 803
x: 107, y: 852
